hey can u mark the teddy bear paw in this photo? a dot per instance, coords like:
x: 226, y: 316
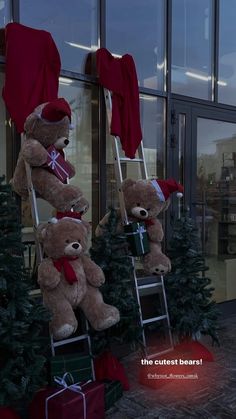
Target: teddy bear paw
x: 64, y: 331
x: 110, y: 317
x: 160, y: 270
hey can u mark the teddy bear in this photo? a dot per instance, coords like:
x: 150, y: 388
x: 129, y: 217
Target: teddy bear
x: 68, y: 278
x: 47, y: 128
x: 144, y: 200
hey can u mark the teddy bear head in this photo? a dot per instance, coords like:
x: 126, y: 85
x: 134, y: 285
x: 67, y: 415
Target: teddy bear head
x: 49, y: 124
x: 64, y: 237
x: 145, y: 199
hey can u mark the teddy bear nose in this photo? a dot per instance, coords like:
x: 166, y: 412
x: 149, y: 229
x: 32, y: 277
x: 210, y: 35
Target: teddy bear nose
x: 142, y: 212
x: 66, y: 142
x: 75, y: 245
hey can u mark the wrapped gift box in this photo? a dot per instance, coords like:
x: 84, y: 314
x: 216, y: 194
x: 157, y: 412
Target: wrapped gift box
x: 113, y: 392
x: 136, y: 236
x: 57, y: 164
x: 79, y: 366
x: 56, y: 403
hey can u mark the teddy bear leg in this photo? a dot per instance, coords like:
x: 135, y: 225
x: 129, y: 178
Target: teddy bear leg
x: 155, y: 262
x: 63, y: 323
x: 100, y: 315
x: 49, y: 187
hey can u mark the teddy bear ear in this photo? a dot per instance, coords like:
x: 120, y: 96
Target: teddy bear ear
x: 42, y: 231
x: 87, y: 226
x: 127, y: 183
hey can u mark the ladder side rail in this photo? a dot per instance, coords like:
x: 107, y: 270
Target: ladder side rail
x: 34, y: 208
x: 167, y: 313
x: 116, y: 155
x: 143, y: 166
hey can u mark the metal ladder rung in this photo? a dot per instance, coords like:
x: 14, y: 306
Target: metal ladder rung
x: 165, y: 351
x: 157, y: 284
x: 126, y: 159
x: 155, y: 319
x: 71, y: 340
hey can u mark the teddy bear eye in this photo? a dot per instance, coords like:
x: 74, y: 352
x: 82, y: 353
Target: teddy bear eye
x: 138, y: 204
x: 78, y: 240
x: 148, y: 209
x: 67, y: 241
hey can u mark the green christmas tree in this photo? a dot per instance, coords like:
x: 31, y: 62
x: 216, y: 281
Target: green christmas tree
x: 22, y: 318
x: 110, y: 252
x: 189, y: 294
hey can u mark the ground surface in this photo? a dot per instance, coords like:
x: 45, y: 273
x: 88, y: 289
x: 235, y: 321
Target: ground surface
x: 212, y: 395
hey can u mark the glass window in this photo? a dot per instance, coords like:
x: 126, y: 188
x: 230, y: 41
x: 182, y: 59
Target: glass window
x: 73, y: 27
x: 227, y: 53
x: 216, y: 202
x: 5, y: 12
x: 83, y: 101
x: 152, y: 112
x: 137, y: 27
x: 192, y: 46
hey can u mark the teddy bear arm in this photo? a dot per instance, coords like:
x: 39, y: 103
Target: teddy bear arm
x: 155, y: 231
x: 93, y: 272
x: 48, y: 275
x: 33, y: 152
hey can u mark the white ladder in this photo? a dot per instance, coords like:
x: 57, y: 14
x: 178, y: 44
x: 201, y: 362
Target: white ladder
x: 39, y: 258
x: 142, y: 284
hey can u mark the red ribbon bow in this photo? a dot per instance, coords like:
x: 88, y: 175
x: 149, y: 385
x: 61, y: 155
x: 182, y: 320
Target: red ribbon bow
x: 71, y: 214
x: 63, y: 263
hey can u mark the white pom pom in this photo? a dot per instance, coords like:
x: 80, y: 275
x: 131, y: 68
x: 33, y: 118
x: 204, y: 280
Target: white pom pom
x: 179, y: 195
x: 53, y: 220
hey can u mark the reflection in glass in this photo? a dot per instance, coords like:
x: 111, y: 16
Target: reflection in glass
x: 5, y: 12
x: 216, y: 202
x: 79, y: 152
x: 137, y: 27
x: 73, y: 27
x: 192, y: 48
x: 227, y: 53
x: 152, y: 112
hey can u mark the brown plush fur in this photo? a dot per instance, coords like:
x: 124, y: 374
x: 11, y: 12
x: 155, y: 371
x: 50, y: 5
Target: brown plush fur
x: 60, y: 296
x: 143, y: 204
x: 39, y: 135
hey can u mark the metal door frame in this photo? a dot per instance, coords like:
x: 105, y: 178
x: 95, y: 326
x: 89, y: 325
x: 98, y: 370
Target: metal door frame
x: 193, y: 111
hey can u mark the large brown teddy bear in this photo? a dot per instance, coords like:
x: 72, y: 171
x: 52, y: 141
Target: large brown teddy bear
x: 48, y: 125
x: 68, y: 278
x: 144, y: 201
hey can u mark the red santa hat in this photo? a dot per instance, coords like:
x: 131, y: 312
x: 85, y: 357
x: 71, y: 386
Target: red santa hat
x: 56, y: 110
x: 165, y: 187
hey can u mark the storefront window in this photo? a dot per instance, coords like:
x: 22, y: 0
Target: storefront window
x: 73, y: 27
x: 5, y: 12
x: 227, y: 53
x: 138, y: 28
x: 152, y: 111
x: 192, y: 48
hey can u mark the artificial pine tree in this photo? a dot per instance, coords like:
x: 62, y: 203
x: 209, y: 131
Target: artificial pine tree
x: 21, y: 316
x: 191, y: 309
x: 110, y: 252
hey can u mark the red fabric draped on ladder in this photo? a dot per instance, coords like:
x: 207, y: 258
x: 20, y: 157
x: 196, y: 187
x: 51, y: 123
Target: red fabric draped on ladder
x: 119, y: 76
x: 32, y: 71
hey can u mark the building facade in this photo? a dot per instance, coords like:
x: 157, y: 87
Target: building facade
x: 185, y: 55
